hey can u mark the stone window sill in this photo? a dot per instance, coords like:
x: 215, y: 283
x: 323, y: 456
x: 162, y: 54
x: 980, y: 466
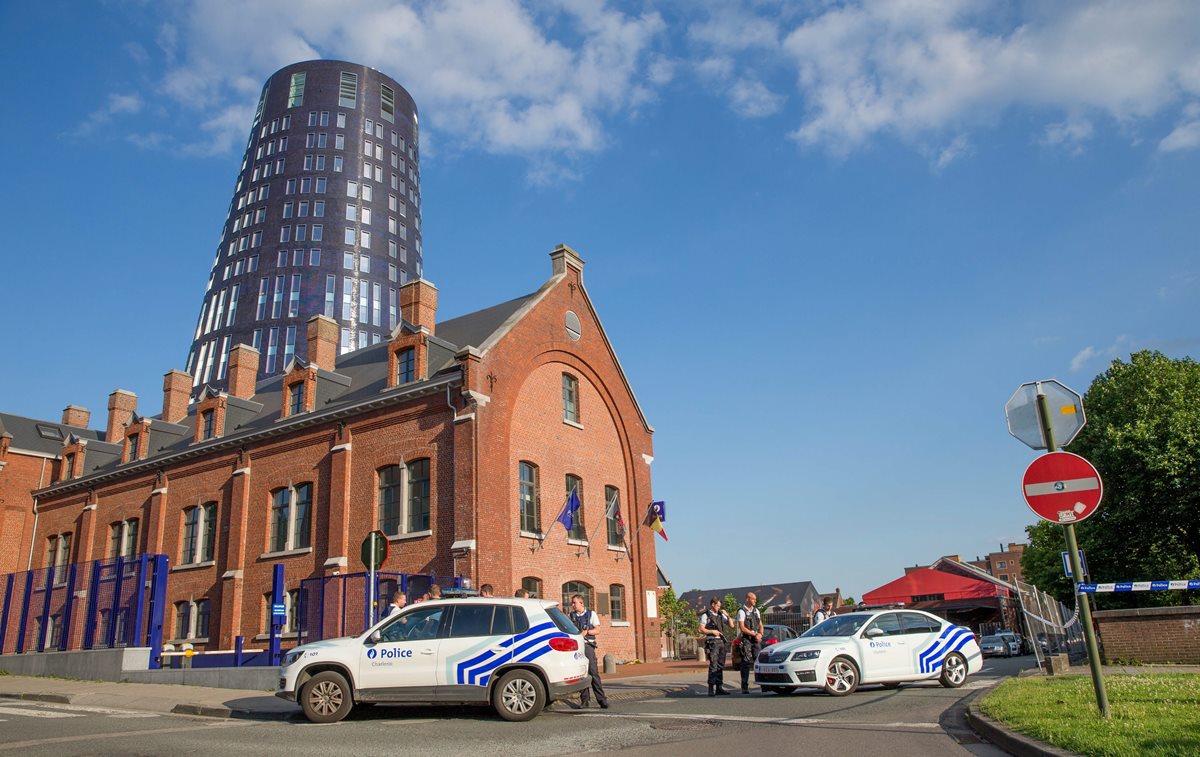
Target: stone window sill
x: 531, y: 535
x: 194, y: 565
x: 573, y: 424
x: 620, y: 624
x: 285, y: 553
x: 412, y: 535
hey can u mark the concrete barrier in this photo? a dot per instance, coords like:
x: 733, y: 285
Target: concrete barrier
x: 89, y: 665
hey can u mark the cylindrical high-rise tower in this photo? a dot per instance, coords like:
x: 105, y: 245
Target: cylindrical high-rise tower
x: 325, y: 219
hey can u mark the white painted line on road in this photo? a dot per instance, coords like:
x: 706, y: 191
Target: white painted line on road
x: 111, y: 712
x: 762, y: 720
x: 216, y: 724
x: 33, y: 713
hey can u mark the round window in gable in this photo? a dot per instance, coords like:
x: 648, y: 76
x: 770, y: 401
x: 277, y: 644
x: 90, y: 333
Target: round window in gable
x: 573, y: 328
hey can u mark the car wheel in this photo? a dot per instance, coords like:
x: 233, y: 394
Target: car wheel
x: 954, y: 671
x: 326, y: 697
x: 842, y: 677
x: 519, y: 696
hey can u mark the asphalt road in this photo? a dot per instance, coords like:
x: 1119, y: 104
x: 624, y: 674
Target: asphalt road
x: 916, y: 719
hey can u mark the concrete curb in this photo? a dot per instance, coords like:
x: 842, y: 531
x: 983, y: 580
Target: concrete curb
x: 1009, y: 740
x: 211, y: 711
x: 35, y: 697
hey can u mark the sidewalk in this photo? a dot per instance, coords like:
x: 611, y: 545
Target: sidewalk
x: 631, y: 682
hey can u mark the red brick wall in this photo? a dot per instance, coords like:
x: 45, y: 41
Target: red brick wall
x: 1157, y: 634
x: 21, y: 475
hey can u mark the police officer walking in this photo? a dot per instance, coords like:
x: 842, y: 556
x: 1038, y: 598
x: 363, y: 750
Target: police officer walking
x: 586, y: 621
x: 713, y: 623
x: 749, y: 623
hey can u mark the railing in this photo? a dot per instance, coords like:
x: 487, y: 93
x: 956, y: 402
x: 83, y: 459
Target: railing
x: 332, y: 606
x: 109, y: 603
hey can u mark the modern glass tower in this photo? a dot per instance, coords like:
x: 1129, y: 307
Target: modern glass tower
x: 325, y: 219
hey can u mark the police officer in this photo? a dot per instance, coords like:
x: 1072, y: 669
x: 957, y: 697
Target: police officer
x: 713, y: 623
x: 749, y: 623
x: 587, y: 621
x: 825, y: 613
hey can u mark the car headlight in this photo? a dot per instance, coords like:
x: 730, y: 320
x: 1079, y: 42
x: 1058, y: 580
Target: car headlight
x: 808, y: 654
x: 292, y: 657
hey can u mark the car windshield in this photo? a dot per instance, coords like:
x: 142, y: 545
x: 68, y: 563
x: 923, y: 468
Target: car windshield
x: 992, y: 640
x: 838, y: 625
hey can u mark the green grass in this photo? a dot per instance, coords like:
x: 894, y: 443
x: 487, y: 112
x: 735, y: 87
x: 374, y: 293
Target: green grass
x: 1152, y: 714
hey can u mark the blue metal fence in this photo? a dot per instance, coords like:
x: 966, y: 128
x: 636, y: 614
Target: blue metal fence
x: 332, y: 606
x: 110, y: 603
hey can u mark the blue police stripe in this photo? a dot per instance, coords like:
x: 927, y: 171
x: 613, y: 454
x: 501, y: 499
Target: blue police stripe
x: 950, y: 640
x: 962, y: 642
x: 537, y: 645
x: 461, y: 668
x: 470, y: 670
x: 924, y: 655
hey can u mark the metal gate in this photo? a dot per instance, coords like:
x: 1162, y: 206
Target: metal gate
x: 332, y: 606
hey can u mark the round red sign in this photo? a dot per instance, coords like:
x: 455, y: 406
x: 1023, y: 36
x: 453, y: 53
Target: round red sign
x: 1062, y: 488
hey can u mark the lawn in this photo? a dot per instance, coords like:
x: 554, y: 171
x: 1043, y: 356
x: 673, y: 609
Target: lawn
x: 1152, y: 714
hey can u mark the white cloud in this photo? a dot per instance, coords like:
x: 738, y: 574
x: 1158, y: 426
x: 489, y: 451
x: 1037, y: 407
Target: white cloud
x: 957, y: 148
x: 493, y: 75
x: 752, y: 99
x: 910, y: 69
x: 117, y: 105
x: 1186, y: 135
x: 1082, y: 357
x: 1069, y: 134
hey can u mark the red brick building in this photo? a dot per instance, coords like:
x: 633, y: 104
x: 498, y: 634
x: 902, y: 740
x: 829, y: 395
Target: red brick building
x: 459, y: 439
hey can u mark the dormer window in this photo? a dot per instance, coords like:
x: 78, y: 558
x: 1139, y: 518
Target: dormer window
x: 69, y: 466
x: 296, y: 398
x: 207, y: 424
x: 131, y: 450
x: 406, y: 366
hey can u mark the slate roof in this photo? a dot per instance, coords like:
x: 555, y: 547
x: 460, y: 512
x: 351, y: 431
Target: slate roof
x: 360, y: 377
x: 42, y: 437
x: 798, y: 596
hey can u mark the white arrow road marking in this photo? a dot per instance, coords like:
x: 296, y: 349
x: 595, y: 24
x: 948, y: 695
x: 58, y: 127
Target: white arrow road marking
x: 1061, y: 487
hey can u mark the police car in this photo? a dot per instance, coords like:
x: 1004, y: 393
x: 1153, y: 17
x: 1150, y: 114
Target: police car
x: 517, y: 654
x: 888, y: 647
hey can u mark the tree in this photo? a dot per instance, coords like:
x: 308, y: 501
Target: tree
x: 679, y: 619
x: 1143, y: 435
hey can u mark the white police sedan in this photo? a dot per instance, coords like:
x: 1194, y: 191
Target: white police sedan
x: 886, y: 647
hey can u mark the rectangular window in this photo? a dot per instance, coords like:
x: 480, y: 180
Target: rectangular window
x: 616, y: 599
x: 294, y: 295
x: 368, y: 126
x: 376, y: 303
x: 277, y: 301
x: 351, y: 188
x: 297, y: 257
x: 308, y: 162
x: 262, y: 298
x: 406, y: 366
x: 330, y: 293
x: 364, y: 239
x: 322, y: 141
x: 321, y: 159
x: 314, y: 255
x: 392, y: 275
x: 318, y: 232
x: 364, y: 263
x: 341, y: 120
x: 362, y: 339
x: 256, y: 239
x: 391, y: 308
x: 348, y: 91
x: 348, y: 298
x: 339, y: 141
x: 305, y: 185
x: 321, y: 183
x: 301, y: 232
x: 318, y: 208
x: 287, y: 123
x: 256, y: 341
x: 202, y: 618
x: 233, y: 303
x: 364, y: 307
x: 207, y: 421
x: 348, y: 261
x: 366, y: 192
x: 351, y: 212
x: 324, y: 118
x: 272, y: 348
x: 345, y: 343
x: 348, y: 236
x: 310, y: 141
x: 575, y: 484
x: 529, y: 501
x: 390, y: 487
x: 387, y: 102
x: 418, y: 496
x: 223, y: 366
x: 291, y: 187
x: 614, y: 522
x: 337, y: 163
x: 183, y: 620
x: 570, y: 398
x: 288, y: 207
x: 312, y: 118
x: 392, y: 248
x: 289, y: 346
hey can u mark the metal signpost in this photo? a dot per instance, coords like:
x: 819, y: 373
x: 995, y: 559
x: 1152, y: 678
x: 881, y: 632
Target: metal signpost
x: 1064, y: 489
x: 374, y: 553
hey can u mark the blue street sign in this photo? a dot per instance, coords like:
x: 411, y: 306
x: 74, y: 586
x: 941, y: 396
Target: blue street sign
x: 279, y: 610
x: 1067, y: 564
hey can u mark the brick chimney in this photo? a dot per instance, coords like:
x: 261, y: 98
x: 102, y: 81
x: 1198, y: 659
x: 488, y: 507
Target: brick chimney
x: 74, y: 415
x: 122, y: 405
x: 418, y: 303
x: 243, y: 371
x: 563, y: 257
x: 322, y: 342
x: 177, y: 389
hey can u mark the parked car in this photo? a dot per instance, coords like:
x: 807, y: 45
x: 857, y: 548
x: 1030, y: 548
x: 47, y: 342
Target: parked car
x: 887, y: 647
x: 517, y: 654
x: 1016, y: 647
x: 773, y: 634
x: 994, y: 646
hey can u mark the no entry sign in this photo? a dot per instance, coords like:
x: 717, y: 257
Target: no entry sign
x: 1062, y: 488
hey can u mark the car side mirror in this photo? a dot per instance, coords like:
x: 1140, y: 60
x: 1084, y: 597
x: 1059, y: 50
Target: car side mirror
x: 873, y: 632
x: 375, y: 637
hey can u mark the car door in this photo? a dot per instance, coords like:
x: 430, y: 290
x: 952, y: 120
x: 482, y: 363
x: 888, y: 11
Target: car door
x: 477, y: 642
x: 920, y: 633
x: 402, y: 665
x: 883, y: 655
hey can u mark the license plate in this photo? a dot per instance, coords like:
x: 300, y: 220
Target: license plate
x: 770, y: 668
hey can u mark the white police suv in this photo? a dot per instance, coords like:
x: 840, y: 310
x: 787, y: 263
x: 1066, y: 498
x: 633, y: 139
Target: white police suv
x: 888, y: 647
x: 517, y: 654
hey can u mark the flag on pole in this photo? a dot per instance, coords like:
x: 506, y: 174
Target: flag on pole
x: 614, y: 512
x: 655, y: 515
x: 569, y: 511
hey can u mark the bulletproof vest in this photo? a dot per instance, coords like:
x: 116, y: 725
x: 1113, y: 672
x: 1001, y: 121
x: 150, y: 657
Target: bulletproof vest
x: 714, y: 621
x: 582, y: 621
x: 753, y: 622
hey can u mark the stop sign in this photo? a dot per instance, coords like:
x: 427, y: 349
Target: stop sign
x: 1062, y: 488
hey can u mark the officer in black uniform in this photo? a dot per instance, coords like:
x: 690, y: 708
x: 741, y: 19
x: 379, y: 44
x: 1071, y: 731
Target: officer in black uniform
x: 749, y: 623
x: 587, y: 621
x: 713, y: 623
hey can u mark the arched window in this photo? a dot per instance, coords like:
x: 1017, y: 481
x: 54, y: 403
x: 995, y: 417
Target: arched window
x: 612, y: 516
x: 532, y: 585
x: 571, y: 588
x: 531, y: 521
x: 578, y: 531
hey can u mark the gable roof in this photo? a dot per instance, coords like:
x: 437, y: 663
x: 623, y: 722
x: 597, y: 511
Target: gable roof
x: 798, y: 596
x: 923, y: 582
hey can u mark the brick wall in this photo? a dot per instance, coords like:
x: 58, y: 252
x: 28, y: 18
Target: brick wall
x: 1152, y: 634
x: 20, y: 475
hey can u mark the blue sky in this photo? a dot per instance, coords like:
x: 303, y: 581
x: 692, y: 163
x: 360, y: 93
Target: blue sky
x: 828, y: 240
